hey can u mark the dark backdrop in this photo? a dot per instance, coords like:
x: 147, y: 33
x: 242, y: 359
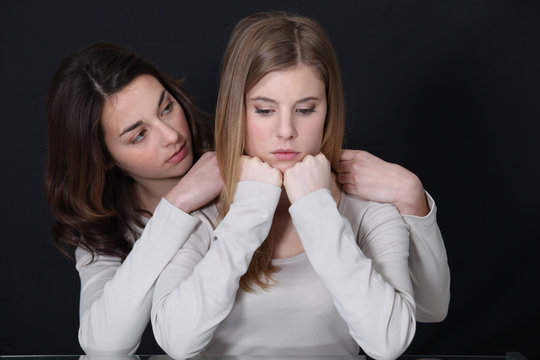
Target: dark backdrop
x: 448, y: 89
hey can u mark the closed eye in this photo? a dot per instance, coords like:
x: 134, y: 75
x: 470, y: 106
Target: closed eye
x: 306, y: 111
x: 263, y: 111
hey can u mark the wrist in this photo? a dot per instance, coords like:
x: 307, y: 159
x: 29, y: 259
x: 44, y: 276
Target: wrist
x: 412, y: 199
x: 180, y: 202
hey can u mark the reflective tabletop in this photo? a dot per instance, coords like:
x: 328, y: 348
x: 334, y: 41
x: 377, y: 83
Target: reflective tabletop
x: 507, y: 356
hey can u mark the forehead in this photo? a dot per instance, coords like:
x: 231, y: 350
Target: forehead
x: 136, y: 101
x: 301, y: 78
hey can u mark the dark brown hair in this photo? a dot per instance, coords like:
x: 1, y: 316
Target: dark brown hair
x: 94, y: 203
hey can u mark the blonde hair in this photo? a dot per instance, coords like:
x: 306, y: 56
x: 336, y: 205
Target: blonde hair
x: 262, y: 43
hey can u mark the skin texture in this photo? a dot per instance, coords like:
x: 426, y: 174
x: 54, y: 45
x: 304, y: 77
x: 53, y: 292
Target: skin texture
x: 367, y: 176
x: 285, y: 114
x: 144, y: 151
x: 147, y: 135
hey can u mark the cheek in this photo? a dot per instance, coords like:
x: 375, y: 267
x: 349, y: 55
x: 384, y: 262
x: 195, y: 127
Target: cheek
x: 253, y: 137
x: 135, y: 161
x: 181, y: 125
x: 315, y: 131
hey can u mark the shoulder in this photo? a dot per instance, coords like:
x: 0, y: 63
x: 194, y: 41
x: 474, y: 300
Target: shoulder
x: 88, y: 262
x: 350, y: 205
x: 359, y: 210
x: 367, y: 216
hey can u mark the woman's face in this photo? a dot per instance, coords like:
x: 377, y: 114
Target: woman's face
x: 146, y: 132
x: 285, y: 115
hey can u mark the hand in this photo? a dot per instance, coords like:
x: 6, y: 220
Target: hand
x: 311, y: 174
x: 199, y: 186
x: 253, y: 169
x: 365, y: 175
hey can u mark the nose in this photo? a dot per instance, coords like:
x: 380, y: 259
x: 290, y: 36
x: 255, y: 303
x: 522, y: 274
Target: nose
x: 287, y: 128
x: 169, y: 135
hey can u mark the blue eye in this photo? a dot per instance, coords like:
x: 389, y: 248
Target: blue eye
x: 140, y: 136
x: 167, y: 109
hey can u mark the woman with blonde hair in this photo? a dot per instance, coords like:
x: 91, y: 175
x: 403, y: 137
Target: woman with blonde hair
x: 287, y: 263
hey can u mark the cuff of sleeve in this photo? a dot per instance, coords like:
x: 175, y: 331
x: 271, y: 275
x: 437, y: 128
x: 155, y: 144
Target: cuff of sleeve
x: 311, y: 201
x: 427, y: 220
x: 256, y: 193
x: 174, y: 216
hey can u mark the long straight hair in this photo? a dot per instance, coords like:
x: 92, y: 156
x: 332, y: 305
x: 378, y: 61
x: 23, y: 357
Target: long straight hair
x: 93, y: 202
x: 262, y: 43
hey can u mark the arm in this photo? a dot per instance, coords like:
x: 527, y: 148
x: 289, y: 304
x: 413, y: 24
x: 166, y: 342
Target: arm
x: 370, y: 284
x: 428, y: 266
x: 116, y: 297
x: 365, y: 270
x: 197, y: 289
x: 369, y: 177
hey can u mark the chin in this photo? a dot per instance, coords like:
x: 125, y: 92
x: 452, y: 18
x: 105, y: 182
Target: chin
x: 284, y: 166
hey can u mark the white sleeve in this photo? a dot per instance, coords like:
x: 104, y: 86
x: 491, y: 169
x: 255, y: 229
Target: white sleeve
x: 369, y: 279
x: 116, y: 297
x: 197, y: 290
x: 428, y: 266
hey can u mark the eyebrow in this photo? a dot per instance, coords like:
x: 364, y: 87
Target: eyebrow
x: 265, y: 99
x: 139, y: 123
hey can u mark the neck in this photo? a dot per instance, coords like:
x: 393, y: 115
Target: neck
x: 150, y: 192
x: 287, y: 242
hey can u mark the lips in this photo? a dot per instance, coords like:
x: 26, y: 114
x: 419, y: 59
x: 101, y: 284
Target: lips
x: 285, y: 154
x: 178, y: 156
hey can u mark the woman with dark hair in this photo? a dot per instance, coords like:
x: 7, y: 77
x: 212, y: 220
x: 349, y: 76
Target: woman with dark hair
x: 286, y: 263
x: 122, y: 138
x: 121, y: 181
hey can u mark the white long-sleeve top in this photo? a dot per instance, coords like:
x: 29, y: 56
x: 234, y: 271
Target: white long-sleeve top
x: 116, y: 297
x: 360, y: 288
x: 115, y: 302
x: 428, y: 266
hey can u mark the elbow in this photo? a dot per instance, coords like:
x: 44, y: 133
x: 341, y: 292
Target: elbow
x: 104, y: 341
x: 386, y: 354
x: 391, y: 341
x: 178, y: 353
x: 176, y: 345
x: 432, y: 317
x: 175, y: 349
x: 96, y: 345
x: 434, y: 313
x: 392, y: 348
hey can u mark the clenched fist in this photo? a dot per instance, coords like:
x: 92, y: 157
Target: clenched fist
x: 253, y: 169
x: 311, y: 174
x: 199, y: 186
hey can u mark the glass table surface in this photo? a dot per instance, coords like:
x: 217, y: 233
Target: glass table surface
x: 507, y: 356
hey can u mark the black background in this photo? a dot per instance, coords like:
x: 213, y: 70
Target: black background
x: 448, y: 89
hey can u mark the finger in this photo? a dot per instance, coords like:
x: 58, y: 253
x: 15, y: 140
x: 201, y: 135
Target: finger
x: 356, y: 155
x: 347, y: 154
x: 353, y: 190
x: 345, y: 178
x: 347, y: 188
x: 307, y: 158
x: 345, y: 166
